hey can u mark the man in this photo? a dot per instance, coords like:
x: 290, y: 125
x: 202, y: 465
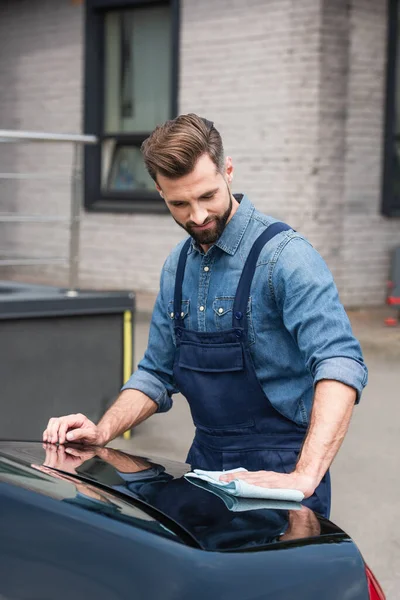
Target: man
x: 247, y: 325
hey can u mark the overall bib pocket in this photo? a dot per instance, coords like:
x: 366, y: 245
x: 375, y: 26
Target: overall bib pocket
x: 209, y: 358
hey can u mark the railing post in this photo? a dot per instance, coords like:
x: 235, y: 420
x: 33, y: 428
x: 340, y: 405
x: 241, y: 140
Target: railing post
x: 76, y: 198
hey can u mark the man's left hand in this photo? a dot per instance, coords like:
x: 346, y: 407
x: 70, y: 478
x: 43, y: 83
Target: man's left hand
x: 270, y: 479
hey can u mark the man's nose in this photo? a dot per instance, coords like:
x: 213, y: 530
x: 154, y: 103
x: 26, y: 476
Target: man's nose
x: 198, y: 215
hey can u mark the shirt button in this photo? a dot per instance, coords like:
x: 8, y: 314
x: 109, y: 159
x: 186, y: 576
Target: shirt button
x: 172, y: 315
x: 220, y: 310
x: 201, y: 308
x: 182, y: 314
x: 206, y: 269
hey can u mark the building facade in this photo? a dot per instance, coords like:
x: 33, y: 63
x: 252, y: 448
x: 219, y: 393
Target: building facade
x: 299, y: 90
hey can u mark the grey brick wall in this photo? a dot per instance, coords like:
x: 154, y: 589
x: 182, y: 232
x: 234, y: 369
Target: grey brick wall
x: 40, y: 90
x: 296, y: 88
x: 369, y: 237
x: 254, y: 71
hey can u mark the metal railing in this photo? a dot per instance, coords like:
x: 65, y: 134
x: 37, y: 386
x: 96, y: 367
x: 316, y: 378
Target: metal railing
x: 76, y: 200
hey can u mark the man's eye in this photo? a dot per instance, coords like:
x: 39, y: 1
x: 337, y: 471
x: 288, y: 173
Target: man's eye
x: 178, y: 204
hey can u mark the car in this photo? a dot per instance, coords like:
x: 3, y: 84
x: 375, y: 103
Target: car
x: 87, y: 522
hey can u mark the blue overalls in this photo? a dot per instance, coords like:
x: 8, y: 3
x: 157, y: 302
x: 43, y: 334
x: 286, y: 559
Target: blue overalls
x: 236, y: 424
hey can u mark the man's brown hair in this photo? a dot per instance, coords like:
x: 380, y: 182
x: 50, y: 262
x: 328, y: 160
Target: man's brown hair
x: 174, y: 148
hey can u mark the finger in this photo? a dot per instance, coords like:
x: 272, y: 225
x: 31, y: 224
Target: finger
x: 259, y: 478
x: 52, y: 430
x: 47, y: 431
x: 226, y: 478
x: 62, y: 432
x: 82, y: 435
x: 232, y: 476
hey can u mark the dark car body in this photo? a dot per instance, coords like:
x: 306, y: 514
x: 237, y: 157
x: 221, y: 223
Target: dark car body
x: 107, y: 525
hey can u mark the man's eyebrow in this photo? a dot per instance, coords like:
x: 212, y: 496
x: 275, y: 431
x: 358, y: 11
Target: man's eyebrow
x: 203, y: 195
x: 209, y: 193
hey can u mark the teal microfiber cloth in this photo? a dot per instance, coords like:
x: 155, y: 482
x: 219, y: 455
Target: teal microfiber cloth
x: 237, y: 504
x: 242, y: 489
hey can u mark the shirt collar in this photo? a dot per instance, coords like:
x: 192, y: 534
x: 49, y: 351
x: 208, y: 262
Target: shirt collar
x: 234, y: 231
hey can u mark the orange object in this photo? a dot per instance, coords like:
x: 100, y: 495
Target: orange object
x: 391, y: 322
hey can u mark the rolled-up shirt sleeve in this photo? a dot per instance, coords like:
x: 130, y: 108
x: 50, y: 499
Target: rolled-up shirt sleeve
x: 150, y: 385
x: 312, y: 312
x: 343, y: 369
x: 154, y: 375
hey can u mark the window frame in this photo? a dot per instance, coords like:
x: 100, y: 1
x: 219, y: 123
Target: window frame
x: 390, y: 206
x: 96, y: 199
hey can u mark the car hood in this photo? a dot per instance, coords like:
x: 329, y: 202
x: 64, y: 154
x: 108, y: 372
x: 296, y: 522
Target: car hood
x: 199, y: 517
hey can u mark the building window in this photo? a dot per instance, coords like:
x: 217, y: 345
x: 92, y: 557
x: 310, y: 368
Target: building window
x: 131, y: 81
x: 391, y: 167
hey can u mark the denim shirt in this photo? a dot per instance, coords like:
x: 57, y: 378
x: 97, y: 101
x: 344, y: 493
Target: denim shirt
x: 299, y: 332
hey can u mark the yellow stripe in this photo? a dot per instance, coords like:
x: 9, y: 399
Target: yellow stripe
x: 127, y: 356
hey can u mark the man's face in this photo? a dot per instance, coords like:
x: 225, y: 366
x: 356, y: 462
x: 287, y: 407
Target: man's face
x: 201, y: 202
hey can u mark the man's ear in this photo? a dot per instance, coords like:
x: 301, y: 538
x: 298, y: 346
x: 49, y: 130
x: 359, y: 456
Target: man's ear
x: 159, y: 190
x: 229, y: 169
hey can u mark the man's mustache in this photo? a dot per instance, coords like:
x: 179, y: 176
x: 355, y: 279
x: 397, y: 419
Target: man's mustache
x: 190, y: 224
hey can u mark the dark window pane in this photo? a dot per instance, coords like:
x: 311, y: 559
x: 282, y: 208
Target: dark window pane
x: 124, y: 169
x: 391, y: 173
x: 396, y: 158
x: 137, y: 69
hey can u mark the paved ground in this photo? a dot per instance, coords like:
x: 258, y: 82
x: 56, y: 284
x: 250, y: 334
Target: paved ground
x: 365, y: 474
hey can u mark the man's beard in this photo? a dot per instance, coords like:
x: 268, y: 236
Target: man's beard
x: 209, y: 236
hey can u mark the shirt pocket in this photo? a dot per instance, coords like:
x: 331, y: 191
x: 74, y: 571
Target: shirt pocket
x: 222, y: 307
x: 185, y: 314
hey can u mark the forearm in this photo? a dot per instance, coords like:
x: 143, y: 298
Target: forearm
x: 330, y: 418
x: 131, y: 408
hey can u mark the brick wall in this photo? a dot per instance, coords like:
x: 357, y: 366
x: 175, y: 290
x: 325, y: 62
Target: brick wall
x: 250, y: 61
x: 40, y: 90
x: 296, y: 88
x: 41, y: 73
x: 368, y: 237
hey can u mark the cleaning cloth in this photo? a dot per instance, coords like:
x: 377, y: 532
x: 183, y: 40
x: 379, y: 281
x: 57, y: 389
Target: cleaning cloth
x: 240, y: 488
x: 237, y: 504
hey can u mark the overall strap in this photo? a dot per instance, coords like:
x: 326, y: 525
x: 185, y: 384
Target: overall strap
x: 246, y: 278
x: 180, y: 272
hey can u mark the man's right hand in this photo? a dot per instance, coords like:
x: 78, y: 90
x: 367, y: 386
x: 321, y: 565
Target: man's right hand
x: 73, y: 428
